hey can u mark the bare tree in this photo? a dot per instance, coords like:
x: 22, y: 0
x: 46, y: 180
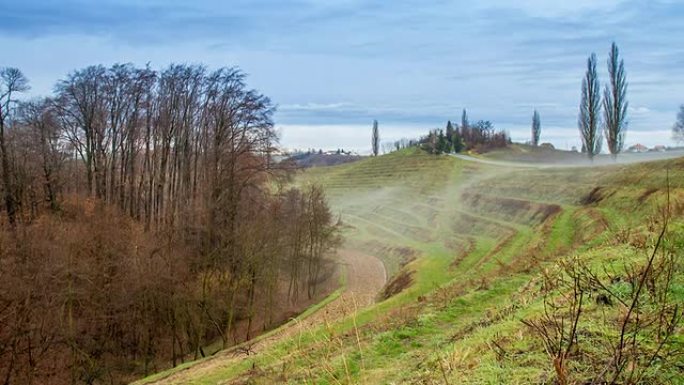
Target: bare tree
x: 12, y: 81
x: 40, y: 120
x: 588, y: 120
x: 185, y: 152
x: 80, y: 99
x: 615, y: 103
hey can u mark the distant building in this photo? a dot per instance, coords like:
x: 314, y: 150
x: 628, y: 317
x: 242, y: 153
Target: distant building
x: 637, y: 148
x: 659, y: 148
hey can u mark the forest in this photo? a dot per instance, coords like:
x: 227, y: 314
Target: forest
x: 142, y: 220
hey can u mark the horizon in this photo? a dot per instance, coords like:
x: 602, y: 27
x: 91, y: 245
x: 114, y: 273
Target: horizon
x: 333, y: 69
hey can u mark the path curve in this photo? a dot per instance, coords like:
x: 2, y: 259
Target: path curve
x: 366, y: 276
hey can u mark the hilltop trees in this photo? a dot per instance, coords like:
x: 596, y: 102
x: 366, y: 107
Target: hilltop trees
x: 404, y: 143
x: 436, y: 142
x: 430, y: 143
x: 481, y: 136
x: 678, y: 127
x: 615, y: 103
x: 375, y: 139
x: 589, y: 114
x: 536, y: 128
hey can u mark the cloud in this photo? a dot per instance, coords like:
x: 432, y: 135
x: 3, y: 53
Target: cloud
x: 554, y: 9
x: 345, y: 63
x: 345, y: 136
x: 313, y: 106
x: 638, y: 111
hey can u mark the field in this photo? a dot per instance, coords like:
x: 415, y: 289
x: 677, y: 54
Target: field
x: 468, y: 248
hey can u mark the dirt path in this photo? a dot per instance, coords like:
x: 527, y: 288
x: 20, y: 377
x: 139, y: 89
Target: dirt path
x: 366, y: 276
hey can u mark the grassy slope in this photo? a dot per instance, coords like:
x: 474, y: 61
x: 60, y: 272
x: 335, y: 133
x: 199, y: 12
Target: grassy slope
x: 473, y: 238
x: 524, y: 153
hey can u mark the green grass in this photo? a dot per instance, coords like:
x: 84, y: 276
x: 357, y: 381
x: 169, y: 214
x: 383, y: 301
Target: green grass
x: 477, y: 243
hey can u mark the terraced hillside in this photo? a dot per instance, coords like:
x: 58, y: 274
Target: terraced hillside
x: 472, y: 249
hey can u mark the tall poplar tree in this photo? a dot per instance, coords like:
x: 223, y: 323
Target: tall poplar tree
x: 589, y: 110
x: 375, y: 139
x: 615, y: 103
x: 536, y: 128
x: 465, y: 127
x: 464, y: 120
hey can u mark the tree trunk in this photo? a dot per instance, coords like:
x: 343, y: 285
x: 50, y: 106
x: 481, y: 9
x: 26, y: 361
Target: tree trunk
x: 10, y: 202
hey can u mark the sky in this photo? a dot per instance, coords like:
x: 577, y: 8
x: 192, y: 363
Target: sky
x: 332, y: 67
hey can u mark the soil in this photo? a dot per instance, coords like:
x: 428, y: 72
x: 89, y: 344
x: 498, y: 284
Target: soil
x: 366, y: 277
x: 398, y: 284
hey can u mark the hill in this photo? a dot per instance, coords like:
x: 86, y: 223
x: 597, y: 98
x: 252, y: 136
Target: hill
x: 498, y: 275
x: 524, y: 153
x: 319, y: 160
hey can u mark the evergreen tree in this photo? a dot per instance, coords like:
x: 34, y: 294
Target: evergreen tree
x: 442, y: 143
x: 615, y: 103
x: 456, y: 142
x: 536, y: 128
x: 449, y: 135
x: 588, y: 120
x: 465, y: 128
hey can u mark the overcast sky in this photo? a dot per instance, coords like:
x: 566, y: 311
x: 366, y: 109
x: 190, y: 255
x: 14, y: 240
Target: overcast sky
x: 334, y: 66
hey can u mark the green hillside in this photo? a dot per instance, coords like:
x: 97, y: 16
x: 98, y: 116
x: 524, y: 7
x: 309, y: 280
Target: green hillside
x: 487, y: 267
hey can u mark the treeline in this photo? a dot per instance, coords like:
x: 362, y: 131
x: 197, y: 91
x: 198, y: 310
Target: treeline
x: 478, y: 137
x: 143, y: 219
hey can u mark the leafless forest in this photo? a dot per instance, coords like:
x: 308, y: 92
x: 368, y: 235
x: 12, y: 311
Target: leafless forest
x: 142, y: 220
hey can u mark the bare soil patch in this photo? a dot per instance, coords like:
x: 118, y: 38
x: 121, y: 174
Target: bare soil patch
x: 596, y: 195
x: 398, y: 284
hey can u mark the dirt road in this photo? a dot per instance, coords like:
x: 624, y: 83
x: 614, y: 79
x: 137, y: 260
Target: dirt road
x: 366, y: 276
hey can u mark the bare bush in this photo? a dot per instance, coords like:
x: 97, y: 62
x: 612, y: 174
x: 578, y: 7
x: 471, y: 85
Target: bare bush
x: 639, y: 328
